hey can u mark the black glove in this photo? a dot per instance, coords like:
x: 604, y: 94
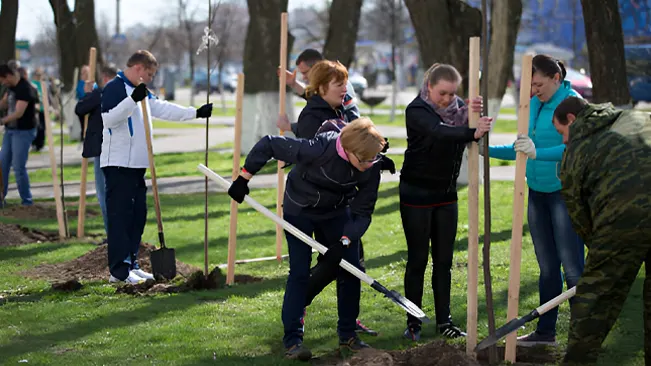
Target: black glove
x: 139, y: 93
x: 205, y: 111
x: 239, y: 189
x: 386, y: 146
x: 335, y: 253
x: 388, y: 164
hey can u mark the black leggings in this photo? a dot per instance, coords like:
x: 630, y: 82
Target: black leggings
x: 422, y: 224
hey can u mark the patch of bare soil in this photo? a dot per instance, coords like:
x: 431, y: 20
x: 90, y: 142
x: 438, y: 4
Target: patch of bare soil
x: 437, y: 353
x: 39, y: 212
x: 93, y: 266
x: 14, y: 235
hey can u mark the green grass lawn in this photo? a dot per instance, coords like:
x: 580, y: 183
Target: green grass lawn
x: 241, y: 325
x: 501, y: 126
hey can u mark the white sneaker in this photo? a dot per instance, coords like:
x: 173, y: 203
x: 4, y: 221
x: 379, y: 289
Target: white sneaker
x: 142, y: 274
x: 132, y: 279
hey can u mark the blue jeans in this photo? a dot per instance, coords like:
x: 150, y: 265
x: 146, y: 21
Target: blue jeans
x: 15, y: 151
x: 327, y: 232
x: 556, y: 243
x: 100, y: 190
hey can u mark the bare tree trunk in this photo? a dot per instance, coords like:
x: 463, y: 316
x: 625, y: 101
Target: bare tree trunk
x: 606, y: 51
x: 261, y: 53
x: 87, y: 31
x: 394, y: 14
x: 342, y: 31
x: 442, y: 29
x: 67, y: 42
x: 505, y: 22
x: 8, y: 20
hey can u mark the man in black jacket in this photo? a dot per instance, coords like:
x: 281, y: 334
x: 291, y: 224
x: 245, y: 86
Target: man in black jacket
x: 90, y: 105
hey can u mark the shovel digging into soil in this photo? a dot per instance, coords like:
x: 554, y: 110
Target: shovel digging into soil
x: 394, y: 296
x: 515, y: 324
x: 163, y: 260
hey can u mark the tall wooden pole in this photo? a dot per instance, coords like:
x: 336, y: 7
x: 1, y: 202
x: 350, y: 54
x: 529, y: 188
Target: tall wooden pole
x: 53, y: 160
x: 486, y: 252
x: 473, y: 202
x: 81, y: 220
x: 518, y: 207
x: 281, y: 92
x: 237, y: 151
x: 205, y: 198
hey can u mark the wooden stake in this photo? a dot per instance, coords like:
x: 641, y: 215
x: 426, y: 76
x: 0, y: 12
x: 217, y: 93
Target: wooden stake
x: 518, y: 207
x: 473, y: 202
x: 281, y: 91
x: 81, y: 219
x: 53, y: 160
x: 237, y: 151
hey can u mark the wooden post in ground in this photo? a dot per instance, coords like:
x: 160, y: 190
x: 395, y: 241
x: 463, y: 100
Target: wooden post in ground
x: 473, y: 202
x: 81, y: 219
x: 518, y: 207
x: 53, y: 160
x: 282, y: 92
x: 237, y: 151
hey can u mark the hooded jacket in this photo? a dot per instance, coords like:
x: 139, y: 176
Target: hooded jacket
x: 313, y: 115
x: 606, y: 171
x: 543, y: 172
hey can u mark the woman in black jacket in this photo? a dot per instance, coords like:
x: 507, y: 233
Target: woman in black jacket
x: 437, y: 134
x: 331, y: 194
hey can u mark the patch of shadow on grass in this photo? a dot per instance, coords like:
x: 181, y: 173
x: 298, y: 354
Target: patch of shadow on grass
x: 156, y: 307
x: 12, y: 253
x: 462, y: 243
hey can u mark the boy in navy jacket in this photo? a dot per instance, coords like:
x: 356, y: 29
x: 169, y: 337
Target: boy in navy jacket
x: 90, y: 104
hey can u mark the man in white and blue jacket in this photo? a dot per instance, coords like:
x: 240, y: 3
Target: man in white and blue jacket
x: 124, y: 159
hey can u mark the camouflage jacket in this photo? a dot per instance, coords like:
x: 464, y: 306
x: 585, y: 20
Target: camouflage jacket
x: 606, y: 171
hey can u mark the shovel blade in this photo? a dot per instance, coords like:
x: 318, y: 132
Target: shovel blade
x: 502, y: 332
x: 409, y: 306
x: 163, y: 263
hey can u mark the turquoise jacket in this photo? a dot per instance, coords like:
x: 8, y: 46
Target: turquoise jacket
x: 543, y: 173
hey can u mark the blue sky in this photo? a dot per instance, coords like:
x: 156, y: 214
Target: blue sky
x: 33, y: 13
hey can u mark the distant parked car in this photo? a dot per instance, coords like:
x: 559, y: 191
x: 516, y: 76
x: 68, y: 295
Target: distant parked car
x: 359, y: 83
x: 638, y: 72
x: 229, y: 82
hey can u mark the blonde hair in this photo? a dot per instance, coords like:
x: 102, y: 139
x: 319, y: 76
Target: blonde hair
x: 439, y: 72
x: 362, y: 139
x: 322, y: 73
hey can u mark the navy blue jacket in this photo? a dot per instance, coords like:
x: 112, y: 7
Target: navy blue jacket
x: 313, y: 115
x: 91, y: 104
x: 321, y: 185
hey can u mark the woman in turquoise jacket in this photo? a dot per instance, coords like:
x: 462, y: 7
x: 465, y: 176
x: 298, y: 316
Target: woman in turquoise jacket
x: 554, y: 240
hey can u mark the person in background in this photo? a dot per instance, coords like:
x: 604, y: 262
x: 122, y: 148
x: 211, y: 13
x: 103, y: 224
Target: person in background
x: 124, y: 159
x: 20, y: 130
x: 91, y: 105
x: 555, y: 242
x: 437, y: 134
x: 331, y: 194
x: 39, y: 141
x: 606, y: 172
x: 304, y: 63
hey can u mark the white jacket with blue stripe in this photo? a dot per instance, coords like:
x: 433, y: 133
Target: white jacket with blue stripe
x: 124, y: 143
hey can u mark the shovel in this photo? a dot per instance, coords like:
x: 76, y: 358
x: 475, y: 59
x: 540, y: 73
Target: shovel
x: 163, y: 260
x: 394, y: 296
x: 515, y: 324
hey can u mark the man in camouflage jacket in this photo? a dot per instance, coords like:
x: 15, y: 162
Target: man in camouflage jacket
x: 606, y: 178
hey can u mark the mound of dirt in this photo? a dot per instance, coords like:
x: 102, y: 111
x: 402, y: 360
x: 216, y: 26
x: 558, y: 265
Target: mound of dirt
x: 93, y: 266
x: 196, y: 281
x: 13, y: 235
x: 439, y: 353
x: 40, y: 212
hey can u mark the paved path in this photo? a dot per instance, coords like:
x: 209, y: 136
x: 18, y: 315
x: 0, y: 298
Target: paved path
x: 182, y: 140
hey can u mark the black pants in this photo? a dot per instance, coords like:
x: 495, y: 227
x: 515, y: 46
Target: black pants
x: 437, y: 224
x: 39, y: 141
x: 126, y: 208
x: 324, y: 272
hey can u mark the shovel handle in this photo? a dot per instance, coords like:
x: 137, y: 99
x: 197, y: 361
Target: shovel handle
x: 287, y: 226
x: 556, y: 301
x: 152, y: 169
